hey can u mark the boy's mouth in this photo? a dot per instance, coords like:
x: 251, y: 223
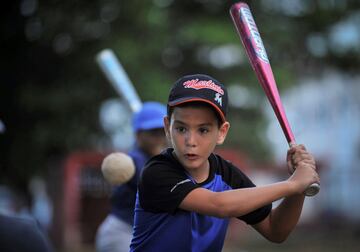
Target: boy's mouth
x: 191, y: 156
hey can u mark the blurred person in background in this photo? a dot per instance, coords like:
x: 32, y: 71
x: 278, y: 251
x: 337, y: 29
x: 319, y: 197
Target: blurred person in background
x: 19, y: 231
x: 22, y: 235
x: 42, y: 208
x: 115, y: 233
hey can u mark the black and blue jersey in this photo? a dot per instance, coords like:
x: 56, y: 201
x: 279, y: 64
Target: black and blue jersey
x: 159, y: 224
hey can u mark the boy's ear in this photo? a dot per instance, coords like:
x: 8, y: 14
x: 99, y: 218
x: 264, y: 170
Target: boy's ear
x: 224, y: 128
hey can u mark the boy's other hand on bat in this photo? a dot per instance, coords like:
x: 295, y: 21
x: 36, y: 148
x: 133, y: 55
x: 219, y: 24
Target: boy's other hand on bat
x: 301, y: 164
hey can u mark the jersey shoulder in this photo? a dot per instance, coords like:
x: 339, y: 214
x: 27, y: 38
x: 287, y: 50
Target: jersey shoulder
x: 158, y: 164
x: 230, y: 173
x: 163, y: 184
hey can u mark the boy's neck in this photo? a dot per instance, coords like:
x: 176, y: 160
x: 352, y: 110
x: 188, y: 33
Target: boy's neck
x: 200, y: 175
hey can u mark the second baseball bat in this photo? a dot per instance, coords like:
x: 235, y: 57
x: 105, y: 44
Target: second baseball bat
x: 117, y: 76
x: 251, y: 39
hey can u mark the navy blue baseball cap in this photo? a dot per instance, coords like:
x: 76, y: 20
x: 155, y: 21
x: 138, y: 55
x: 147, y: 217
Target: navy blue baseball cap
x: 200, y: 87
x: 150, y: 116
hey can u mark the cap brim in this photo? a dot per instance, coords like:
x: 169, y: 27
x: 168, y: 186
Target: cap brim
x: 193, y: 99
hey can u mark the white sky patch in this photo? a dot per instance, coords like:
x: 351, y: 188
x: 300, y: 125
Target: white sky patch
x: 317, y: 44
x: 222, y: 56
x: 242, y: 97
x: 115, y: 118
x: 345, y: 35
x: 289, y: 7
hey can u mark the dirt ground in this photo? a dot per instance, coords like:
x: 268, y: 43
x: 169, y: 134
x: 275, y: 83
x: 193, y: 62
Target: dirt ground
x: 303, y: 239
x: 316, y: 238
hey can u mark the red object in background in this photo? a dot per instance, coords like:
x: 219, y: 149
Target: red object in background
x: 83, y: 183
x: 238, y: 158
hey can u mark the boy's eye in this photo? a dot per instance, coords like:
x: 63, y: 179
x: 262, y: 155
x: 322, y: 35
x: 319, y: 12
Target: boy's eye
x: 203, y: 130
x: 181, y: 129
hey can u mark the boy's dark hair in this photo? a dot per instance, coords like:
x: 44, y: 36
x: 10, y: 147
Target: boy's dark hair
x: 200, y: 88
x: 195, y: 104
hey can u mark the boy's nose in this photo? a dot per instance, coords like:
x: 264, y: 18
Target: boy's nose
x: 190, y: 139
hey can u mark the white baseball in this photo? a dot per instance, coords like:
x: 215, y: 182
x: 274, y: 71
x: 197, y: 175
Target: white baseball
x: 118, y: 168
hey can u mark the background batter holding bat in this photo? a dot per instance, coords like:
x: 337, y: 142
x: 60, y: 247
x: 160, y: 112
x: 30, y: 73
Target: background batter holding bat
x: 114, y: 234
x: 187, y: 194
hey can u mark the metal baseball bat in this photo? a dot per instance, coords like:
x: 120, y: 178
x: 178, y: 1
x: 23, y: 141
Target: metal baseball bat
x: 251, y: 39
x: 117, y: 76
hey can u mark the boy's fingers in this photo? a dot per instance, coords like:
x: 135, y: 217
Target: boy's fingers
x: 298, y: 156
x: 292, y: 144
x: 294, y: 148
x: 306, y: 164
x: 298, y: 159
x: 302, y: 147
x: 294, y: 163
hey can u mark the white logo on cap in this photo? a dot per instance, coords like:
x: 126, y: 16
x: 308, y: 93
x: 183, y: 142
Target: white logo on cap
x: 218, y: 98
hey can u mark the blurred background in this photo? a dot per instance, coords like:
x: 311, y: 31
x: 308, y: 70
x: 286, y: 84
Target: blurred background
x: 59, y: 116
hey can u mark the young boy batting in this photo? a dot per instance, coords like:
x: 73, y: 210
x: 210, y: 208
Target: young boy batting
x: 187, y: 194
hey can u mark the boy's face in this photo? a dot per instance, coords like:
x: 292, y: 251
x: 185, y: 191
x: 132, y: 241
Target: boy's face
x: 193, y: 133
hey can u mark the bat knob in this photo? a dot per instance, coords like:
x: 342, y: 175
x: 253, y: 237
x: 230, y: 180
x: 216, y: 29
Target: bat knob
x: 312, y: 190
